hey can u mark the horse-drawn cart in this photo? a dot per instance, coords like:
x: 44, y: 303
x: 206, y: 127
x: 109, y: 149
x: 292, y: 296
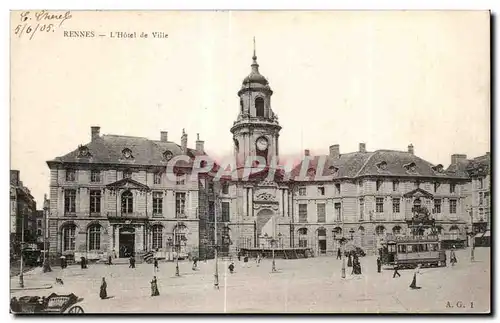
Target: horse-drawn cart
x: 60, y: 304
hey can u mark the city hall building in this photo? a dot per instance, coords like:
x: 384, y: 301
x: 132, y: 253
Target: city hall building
x: 112, y: 196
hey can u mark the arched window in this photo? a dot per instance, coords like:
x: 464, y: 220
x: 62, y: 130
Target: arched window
x: 454, y: 232
x: 127, y: 202
x: 396, y: 230
x: 157, y: 237
x: 259, y: 107
x: 380, y: 230
x: 241, y: 105
x: 361, y: 230
x: 68, y: 237
x: 94, y: 232
x: 302, y: 238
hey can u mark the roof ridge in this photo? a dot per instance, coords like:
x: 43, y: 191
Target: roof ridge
x: 135, y: 137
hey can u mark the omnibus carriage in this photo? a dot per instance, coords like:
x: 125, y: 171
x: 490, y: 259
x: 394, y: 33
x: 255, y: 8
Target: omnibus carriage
x: 408, y: 252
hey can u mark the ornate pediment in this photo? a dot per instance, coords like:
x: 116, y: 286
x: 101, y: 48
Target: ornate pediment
x: 265, y: 197
x: 267, y: 183
x: 418, y: 192
x: 127, y: 183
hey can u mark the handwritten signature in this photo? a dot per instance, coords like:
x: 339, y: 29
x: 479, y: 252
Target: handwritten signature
x: 43, y: 21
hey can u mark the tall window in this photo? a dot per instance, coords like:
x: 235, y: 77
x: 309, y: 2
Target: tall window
x: 302, y: 191
x: 361, y: 208
x: 180, y: 179
x: 180, y: 205
x: 395, y: 205
x: 302, y: 212
x: 225, y: 211
x: 437, y: 206
x: 127, y: 202
x: 94, y: 237
x: 211, y: 211
x: 225, y: 188
x: 321, y: 190
x: 157, y: 178
x: 70, y: 201
x: 480, y: 183
x: 436, y: 186
x: 452, y: 188
x: 302, y: 238
x: 95, y: 176
x: 379, y: 205
x: 70, y: 175
x: 379, y: 184
x: 68, y: 237
x: 338, y: 211
x: 337, y: 188
x: 396, y: 230
x: 157, y: 237
x: 453, y: 206
x: 127, y: 174
x: 157, y: 204
x: 480, y: 198
x: 95, y: 201
x: 395, y: 186
x: 481, y: 213
x: 259, y: 107
x: 320, y: 208
x: 241, y: 105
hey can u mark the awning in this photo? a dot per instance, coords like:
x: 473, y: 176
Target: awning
x: 487, y: 234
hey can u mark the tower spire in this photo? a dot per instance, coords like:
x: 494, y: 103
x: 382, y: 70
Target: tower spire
x: 255, y: 65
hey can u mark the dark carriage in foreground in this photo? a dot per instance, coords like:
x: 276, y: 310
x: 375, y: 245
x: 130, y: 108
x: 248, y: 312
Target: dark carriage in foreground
x: 56, y: 304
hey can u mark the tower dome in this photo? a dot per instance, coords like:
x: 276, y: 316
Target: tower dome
x: 255, y: 76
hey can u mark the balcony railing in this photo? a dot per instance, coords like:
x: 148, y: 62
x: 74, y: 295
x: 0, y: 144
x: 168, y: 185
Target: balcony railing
x: 181, y: 216
x: 133, y: 215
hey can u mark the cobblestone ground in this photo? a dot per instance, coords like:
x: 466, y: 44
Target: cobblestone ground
x: 301, y: 286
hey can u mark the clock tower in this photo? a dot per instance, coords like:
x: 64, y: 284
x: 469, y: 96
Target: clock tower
x: 256, y: 131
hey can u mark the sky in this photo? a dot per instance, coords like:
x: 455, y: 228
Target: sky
x: 341, y: 77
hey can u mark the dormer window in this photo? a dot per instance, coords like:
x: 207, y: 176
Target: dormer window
x: 83, y: 151
x: 333, y: 170
x: 168, y: 155
x: 127, y: 153
x: 311, y: 172
x: 127, y: 174
x: 410, y: 167
x: 382, y: 165
x: 438, y: 168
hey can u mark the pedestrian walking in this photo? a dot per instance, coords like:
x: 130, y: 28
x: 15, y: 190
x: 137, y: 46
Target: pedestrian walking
x: 195, y: 262
x: 453, y: 257
x: 339, y: 254
x: 110, y: 261
x: 379, y: 264
x: 245, y: 260
x: 103, y: 293
x: 154, y: 287
x: 63, y: 262
x: 239, y: 255
x: 349, y: 260
x: 132, y: 262
x: 155, y: 263
x: 231, y: 267
x: 396, y: 272
x: 413, y: 284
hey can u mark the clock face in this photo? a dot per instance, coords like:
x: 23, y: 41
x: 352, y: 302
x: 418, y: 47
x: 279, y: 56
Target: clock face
x: 262, y: 143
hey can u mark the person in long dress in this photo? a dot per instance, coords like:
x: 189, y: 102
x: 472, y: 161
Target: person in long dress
x: 103, y: 294
x: 349, y: 260
x: 379, y: 264
x: 413, y: 284
x: 154, y: 287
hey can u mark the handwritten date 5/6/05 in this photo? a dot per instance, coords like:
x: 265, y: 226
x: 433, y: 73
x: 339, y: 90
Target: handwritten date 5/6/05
x: 43, y: 21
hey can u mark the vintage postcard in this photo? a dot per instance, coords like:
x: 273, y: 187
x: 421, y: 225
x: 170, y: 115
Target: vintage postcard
x: 250, y: 162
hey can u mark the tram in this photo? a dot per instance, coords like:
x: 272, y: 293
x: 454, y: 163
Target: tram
x: 408, y: 252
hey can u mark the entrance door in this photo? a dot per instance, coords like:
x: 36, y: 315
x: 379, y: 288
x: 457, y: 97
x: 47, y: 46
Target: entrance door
x: 127, y: 242
x: 322, y: 241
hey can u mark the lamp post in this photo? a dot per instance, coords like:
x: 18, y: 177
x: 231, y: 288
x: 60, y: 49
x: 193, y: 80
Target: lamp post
x: 471, y: 234
x: 21, y: 277
x: 273, y: 242
x: 169, y: 242
x: 177, y: 249
x: 342, y: 243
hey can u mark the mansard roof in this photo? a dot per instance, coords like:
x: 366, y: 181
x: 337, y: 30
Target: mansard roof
x: 108, y: 149
x: 359, y: 164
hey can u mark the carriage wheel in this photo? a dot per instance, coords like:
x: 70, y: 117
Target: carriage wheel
x: 76, y: 310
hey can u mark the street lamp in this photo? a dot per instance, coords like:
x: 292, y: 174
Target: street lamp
x: 177, y: 249
x: 169, y: 242
x: 471, y: 234
x: 21, y: 277
x: 273, y: 243
x: 342, y: 241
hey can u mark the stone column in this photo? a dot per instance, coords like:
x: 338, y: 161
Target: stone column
x: 245, y: 201
x: 250, y: 209
x: 286, y: 202
x: 139, y: 238
x: 116, y: 245
x: 280, y: 202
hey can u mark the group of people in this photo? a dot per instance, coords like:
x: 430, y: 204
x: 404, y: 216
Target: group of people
x: 352, y: 261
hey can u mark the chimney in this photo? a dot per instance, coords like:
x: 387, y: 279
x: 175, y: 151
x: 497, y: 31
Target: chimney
x: 184, y: 141
x: 94, y: 132
x: 362, y: 147
x: 14, y: 177
x: 456, y: 158
x: 306, y: 152
x: 335, y: 151
x: 410, y: 149
x: 200, y: 144
x: 164, y: 136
